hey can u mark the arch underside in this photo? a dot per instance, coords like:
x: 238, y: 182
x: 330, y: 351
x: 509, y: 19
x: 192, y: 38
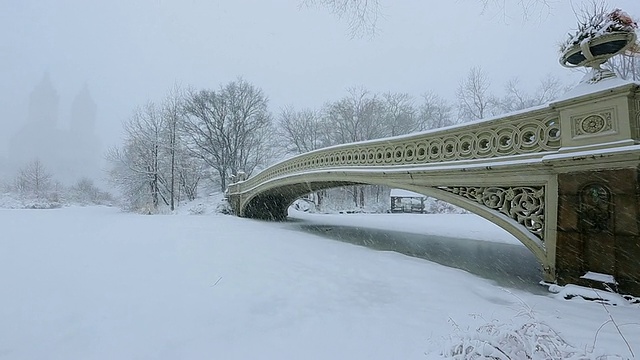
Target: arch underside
x: 273, y: 203
x: 518, y: 209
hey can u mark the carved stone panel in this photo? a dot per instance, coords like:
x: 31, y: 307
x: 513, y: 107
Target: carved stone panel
x: 594, y: 124
x: 524, y: 204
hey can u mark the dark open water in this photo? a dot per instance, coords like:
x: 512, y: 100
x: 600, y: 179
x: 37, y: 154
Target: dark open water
x: 510, y: 266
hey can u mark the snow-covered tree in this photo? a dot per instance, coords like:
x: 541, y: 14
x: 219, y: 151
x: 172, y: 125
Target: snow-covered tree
x: 154, y: 165
x: 136, y: 166
x: 34, y: 180
x: 84, y: 191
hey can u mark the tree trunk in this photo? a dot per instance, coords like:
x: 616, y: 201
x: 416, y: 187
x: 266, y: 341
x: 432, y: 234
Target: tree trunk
x: 173, y: 165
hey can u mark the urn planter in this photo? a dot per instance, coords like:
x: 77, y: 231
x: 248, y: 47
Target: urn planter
x: 595, y: 51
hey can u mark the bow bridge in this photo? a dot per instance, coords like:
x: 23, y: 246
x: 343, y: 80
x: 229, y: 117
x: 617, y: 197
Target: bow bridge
x: 562, y: 178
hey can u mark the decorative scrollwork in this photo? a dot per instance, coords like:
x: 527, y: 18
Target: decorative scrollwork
x: 523, y: 204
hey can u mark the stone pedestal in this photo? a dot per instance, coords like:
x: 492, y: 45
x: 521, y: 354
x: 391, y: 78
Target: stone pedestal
x: 599, y: 227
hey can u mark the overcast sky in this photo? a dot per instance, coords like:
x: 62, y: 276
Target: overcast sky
x: 129, y: 52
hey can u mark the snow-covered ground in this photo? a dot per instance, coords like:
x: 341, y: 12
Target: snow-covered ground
x: 96, y: 283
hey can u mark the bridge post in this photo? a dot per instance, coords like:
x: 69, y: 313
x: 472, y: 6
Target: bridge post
x: 598, y: 225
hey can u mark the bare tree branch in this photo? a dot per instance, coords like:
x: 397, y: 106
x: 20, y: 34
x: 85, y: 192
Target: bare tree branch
x: 474, y: 99
x: 361, y: 15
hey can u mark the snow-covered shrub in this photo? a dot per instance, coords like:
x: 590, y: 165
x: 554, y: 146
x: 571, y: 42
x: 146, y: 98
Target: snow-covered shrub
x: 529, y: 339
x: 197, y: 209
x: 85, y: 192
x: 9, y: 200
x: 41, y: 204
x: 303, y: 205
x: 224, y: 207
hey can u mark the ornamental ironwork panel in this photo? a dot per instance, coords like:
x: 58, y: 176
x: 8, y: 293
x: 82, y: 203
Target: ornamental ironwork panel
x: 524, y: 204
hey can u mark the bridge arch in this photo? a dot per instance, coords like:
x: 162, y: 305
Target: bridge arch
x: 520, y: 232
x: 271, y: 201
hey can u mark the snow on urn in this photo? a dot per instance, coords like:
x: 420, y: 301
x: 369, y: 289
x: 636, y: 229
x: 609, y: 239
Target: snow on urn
x: 600, y: 36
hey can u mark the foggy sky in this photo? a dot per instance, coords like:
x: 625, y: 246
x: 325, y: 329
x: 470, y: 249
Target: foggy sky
x: 129, y: 52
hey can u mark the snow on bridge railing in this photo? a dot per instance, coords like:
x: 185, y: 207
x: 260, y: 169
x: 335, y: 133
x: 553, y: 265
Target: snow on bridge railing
x: 529, y: 132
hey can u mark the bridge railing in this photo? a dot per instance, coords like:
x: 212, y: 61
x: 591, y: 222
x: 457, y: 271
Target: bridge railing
x: 530, y: 132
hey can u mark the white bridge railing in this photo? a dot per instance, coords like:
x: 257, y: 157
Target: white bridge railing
x: 520, y: 135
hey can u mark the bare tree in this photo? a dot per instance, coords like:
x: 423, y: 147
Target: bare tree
x: 173, y: 114
x: 356, y: 117
x: 399, y: 114
x: 516, y: 98
x: 190, y: 171
x: 474, y: 99
x: 626, y: 66
x: 435, y: 112
x: 301, y: 130
x: 229, y: 129
x: 34, y: 180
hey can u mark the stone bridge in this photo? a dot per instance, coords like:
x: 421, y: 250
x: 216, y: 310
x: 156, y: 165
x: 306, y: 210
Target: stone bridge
x: 562, y: 178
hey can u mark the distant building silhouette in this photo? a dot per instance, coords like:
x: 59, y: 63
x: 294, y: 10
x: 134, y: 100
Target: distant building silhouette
x: 43, y: 105
x: 83, y: 113
x: 68, y: 154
